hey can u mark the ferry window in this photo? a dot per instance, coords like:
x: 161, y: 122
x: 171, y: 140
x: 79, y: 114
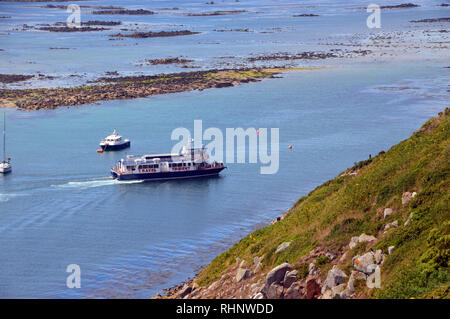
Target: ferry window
x: 180, y: 164
x: 184, y: 164
x: 156, y: 166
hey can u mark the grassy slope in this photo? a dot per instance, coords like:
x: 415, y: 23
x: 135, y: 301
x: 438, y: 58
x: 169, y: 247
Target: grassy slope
x: 350, y: 205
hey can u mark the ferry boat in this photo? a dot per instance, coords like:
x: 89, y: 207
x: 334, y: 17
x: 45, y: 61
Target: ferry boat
x: 5, y: 165
x: 114, y: 142
x: 189, y: 163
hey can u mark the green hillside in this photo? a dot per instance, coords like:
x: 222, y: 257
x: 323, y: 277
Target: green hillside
x: 353, y: 203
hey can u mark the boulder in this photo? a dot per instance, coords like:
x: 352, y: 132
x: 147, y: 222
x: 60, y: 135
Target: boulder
x: 282, y: 247
x: 327, y: 294
x: 391, y: 250
x: 394, y: 224
x: 257, y: 268
x: 289, y: 278
x: 276, y: 275
x: 337, y: 292
x: 361, y: 239
x: 335, y: 277
x: 379, y: 256
x: 366, y: 238
x: 242, y: 274
x: 355, y: 275
x: 312, y: 289
x: 387, y: 212
x: 275, y: 291
x: 295, y: 291
x: 353, y: 242
x: 184, y: 291
x: 362, y: 263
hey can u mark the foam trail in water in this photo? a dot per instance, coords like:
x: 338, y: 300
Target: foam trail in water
x: 94, y: 183
x: 7, y: 197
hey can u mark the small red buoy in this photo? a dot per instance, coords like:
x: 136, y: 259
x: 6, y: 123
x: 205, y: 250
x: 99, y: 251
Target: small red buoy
x: 290, y: 147
x: 100, y: 150
x: 257, y: 132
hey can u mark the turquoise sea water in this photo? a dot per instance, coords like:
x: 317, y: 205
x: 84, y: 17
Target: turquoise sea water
x: 59, y: 206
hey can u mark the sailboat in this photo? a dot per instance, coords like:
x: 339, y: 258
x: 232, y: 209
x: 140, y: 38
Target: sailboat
x: 5, y: 165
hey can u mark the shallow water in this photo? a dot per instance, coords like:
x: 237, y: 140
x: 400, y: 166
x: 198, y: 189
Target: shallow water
x: 132, y: 239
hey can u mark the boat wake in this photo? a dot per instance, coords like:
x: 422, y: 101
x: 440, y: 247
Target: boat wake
x: 94, y: 183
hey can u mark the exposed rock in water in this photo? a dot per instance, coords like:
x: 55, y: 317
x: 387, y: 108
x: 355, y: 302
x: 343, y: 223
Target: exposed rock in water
x: 305, y: 15
x: 401, y: 6
x: 185, y: 291
x: 215, y: 13
x: 431, y: 20
x: 168, y: 61
x: 150, y: 34
x: 11, y: 78
x: 70, y: 29
x: 124, y: 12
x: 127, y: 87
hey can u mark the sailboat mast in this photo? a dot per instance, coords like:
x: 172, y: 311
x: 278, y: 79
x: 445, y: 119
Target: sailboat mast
x: 4, y: 137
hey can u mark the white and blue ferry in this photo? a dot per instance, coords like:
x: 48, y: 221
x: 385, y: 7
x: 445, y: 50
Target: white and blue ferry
x: 190, y: 162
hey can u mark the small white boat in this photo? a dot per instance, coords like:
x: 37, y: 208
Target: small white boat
x: 5, y: 165
x: 114, y: 142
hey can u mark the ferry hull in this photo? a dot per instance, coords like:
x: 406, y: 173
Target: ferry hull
x: 168, y: 175
x: 119, y: 147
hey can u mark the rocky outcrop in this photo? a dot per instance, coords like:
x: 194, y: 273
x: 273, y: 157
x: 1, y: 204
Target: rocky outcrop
x: 361, y: 239
x: 282, y: 247
x: 242, y: 274
x: 335, y: 277
x: 276, y: 275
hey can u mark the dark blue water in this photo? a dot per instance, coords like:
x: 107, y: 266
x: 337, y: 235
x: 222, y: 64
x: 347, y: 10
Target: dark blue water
x: 60, y: 207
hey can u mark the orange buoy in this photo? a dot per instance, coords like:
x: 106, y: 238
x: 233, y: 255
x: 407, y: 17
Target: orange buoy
x: 257, y: 132
x: 100, y: 150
